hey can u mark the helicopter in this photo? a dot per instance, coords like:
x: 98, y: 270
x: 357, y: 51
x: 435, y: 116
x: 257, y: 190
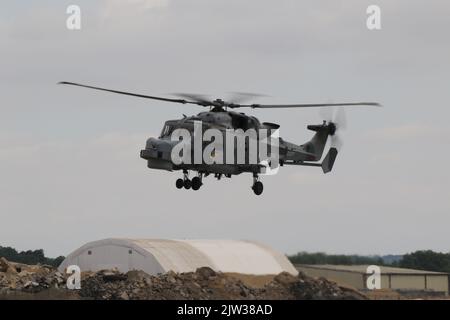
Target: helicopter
x: 221, y: 117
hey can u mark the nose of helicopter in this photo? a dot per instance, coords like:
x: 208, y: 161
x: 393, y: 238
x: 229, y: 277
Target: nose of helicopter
x: 159, y: 144
x: 156, y: 148
x: 151, y: 144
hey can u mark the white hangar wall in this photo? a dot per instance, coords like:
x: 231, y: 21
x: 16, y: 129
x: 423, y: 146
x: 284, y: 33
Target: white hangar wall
x: 158, y: 256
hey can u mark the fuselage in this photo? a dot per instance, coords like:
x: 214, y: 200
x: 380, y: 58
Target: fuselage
x: 158, y: 151
x: 159, y: 155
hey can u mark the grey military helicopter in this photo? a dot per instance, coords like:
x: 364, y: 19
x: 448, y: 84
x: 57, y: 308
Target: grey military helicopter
x: 221, y: 116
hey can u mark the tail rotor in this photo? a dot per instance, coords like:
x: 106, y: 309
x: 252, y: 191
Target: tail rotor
x: 337, y: 120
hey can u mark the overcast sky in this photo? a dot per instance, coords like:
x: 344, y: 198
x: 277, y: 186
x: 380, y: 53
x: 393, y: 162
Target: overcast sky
x: 70, y: 170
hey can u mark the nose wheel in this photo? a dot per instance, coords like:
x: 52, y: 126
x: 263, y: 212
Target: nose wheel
x: 179, y: 183
x: 257, y: 185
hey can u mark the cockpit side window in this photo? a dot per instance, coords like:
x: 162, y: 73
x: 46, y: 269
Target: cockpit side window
x: 167, y: 130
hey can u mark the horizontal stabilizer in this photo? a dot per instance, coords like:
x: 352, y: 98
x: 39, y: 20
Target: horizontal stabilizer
x: 328, y: 162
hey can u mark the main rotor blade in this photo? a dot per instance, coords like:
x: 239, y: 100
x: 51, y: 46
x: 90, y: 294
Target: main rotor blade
x: 317, y: 105
x: 131, y: 94
x: 199, y: 100
x: 195, y: 97
x: 238, y: 97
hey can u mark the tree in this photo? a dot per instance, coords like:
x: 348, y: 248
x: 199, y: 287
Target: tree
x: 29, y: 256
x: 426, y: 260
x: 323, y: 258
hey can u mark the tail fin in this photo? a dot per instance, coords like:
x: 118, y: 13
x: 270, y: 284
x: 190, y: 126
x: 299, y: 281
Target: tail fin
x: 317, y: 144
x: 328, y: 162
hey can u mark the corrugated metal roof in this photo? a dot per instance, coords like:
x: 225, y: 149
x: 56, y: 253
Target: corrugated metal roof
x: 363, y: 269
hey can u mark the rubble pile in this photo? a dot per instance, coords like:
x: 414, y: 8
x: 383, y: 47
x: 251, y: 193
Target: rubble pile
x: 28, y: 278
x: 204, y: 283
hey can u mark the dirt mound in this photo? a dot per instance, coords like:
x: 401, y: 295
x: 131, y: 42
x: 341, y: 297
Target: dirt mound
x: 28, y: 278
x: 46, y: 282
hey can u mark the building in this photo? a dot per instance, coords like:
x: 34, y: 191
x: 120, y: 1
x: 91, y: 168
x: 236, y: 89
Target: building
x: 159, y: 256
x: 391, y: 278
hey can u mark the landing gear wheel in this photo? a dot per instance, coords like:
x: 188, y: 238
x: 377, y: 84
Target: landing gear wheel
x: 179, y: 183
x: 258, y: 188
x: 196, y: 183
x: 187, y: 184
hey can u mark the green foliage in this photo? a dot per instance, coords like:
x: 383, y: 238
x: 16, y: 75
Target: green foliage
x: 426, y: 260
x: 323, y: 258
x: 29, y: 256
x: 421, y: 260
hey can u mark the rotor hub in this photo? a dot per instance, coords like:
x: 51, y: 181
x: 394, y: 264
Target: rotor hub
x: 332, y: 127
